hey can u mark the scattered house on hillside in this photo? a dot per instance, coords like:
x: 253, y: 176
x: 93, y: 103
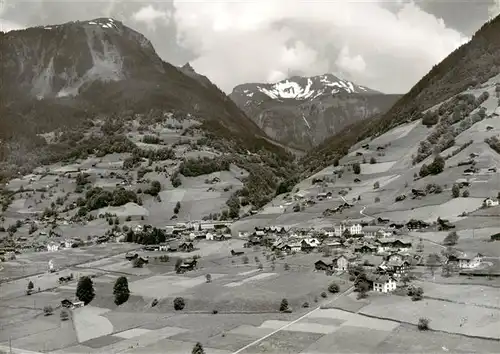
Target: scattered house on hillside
x: 490, y: 202
x: 414, y: 224
x: 469, y: 261
x: 329, y: 231
x: 187, y: 265
x: 173, y: 246
x: 343, y: 261
x: 321, y: 265
x: 396, y: 226
x: 131, y: 256
x: 391, y: 244
x: 366, y: 248
x: 222, y: 237
x: 237, y: 253
x: 151, y: 248
x: 395, y: 267
x: 186, y: 247
x: 309, y: 244
x: 492, y: 169
x: 382, y: 283
x: 333, y: 245
x: 52, y: 247
x: 383, y: 221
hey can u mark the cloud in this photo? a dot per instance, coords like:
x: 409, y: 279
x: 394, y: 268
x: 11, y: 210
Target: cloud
x: 351, y: 64
x: 149, y: 15
x: 494, y: 8
x: 384, y: 47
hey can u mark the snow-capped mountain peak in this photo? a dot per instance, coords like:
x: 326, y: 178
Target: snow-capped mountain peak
x: 305, y: 88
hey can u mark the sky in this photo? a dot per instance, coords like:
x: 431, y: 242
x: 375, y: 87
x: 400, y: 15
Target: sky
x: 385, y: 45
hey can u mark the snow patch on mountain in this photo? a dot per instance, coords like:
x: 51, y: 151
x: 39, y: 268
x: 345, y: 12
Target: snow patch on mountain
x: 308, y: 88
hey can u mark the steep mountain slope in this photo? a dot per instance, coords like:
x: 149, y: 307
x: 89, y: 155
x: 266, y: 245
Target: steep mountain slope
x: 302, y: 111
x: 59, y: 75
x: 70, y: 80
x: 467, y: 67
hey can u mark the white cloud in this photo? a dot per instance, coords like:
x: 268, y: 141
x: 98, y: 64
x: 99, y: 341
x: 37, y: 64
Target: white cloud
x: 494, y: 8
x: 350, y: 63
x: 242, y: 41
x: 149, y: 15
x: 7, y: 26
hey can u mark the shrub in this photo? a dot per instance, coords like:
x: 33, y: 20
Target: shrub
x: 423, y: 324
x: 198, y: 349
x: 373, y: 160
x: 208, y: 278
x: 377, y: 200
x: 48, y: 310
x: 323, y: 295
x: 376, y: 185
x: 333, y: 288
x: 284, y: 305
x: 416, y: 293
x: 356, y: 168
x: 455, y: 191
x: 179, y: 303
x: 451, y: 239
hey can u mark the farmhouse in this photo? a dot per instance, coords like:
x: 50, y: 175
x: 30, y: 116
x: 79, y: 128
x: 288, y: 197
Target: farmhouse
x: 187, y: 265
x: 490, y: 202
x: 382, y: 283
x: 468, y: 261
x: 320, y: 265
x: 237, y: 253
x: 52, y: 247
x: 344, y: 261
x: 186, y: 247
x: 329, y: 231
x: 395, y: 266
x: 365, y: 248
x: 391, y: 244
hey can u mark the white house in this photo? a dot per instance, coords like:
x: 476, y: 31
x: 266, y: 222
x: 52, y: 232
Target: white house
x: 490, y: 202
x: 52, y: 247
x: 329, y: 231
x: 69, y: 243
x: 383, y: 283
x: 468, y: 261
x: 209, y: 236
x: 354, y: 229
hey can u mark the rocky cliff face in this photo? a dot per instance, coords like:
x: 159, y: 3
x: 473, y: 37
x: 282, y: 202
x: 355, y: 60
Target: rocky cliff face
x: 303, y: 111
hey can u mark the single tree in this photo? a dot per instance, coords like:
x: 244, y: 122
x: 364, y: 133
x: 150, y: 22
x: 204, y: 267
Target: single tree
x: 416, y: 293
x: 138, y: 263
x: 64, y: 315
x: 286, y: 266
x: 451, y: 239
x: 356, y: 168
x: 333, y: 288
x: 208, y: 278
x: 376, y: 185
x: 455, y: 191
x: 179, y: 303
x: 373, y: 160
x: 323, y: 295
x: 121, y: 290
x: 465, y: 193
x: 30, y: 288
x: 284, y: 305
x: 85, y: 290
x: 198, y: 349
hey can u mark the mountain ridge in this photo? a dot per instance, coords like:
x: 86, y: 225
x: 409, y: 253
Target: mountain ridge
x: 303, y: 111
